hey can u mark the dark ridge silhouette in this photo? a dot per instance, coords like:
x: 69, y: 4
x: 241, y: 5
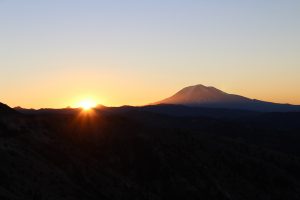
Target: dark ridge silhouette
x: 47, y: 110
x: 182, y: 111
x: 6, y: 110
x: 202, y: 96
x: 149, y: 153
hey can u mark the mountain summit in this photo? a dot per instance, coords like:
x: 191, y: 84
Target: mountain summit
x: 203, y: 96
x: 200, y: 94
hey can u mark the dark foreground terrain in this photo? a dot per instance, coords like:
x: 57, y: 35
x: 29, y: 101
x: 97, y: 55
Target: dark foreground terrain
x: 149, y: 153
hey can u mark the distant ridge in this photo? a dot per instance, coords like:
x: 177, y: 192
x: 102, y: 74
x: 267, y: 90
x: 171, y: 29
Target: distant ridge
x: 5, y: 109
x: 47, y: 110
x: 203, y: 96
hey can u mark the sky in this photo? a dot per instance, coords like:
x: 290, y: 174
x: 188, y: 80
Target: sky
x: 134, y: 52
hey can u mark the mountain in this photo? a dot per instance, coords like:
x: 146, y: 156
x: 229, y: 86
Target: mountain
x: 203, y: 96
x: 5, y: 109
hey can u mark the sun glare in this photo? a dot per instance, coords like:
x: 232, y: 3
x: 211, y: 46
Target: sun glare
x: 87, y: 104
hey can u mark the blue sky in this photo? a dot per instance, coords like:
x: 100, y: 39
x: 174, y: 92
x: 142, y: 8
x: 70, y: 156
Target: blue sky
x: 134, y: 52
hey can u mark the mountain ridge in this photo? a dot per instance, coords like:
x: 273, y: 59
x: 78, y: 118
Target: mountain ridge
x: 5, y: 109
x: 208, y: 96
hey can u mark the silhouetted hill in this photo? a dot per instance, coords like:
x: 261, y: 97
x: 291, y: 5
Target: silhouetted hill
x: 188, y: 111
x: 203, y: 96
x: 47, y: 111
x: 278, y: 120
x: 6, y: 110
x: 150, y: 153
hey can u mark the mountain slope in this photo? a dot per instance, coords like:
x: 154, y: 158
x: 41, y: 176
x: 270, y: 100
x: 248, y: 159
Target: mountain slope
x: 202, y: 96
x: 5, y: 109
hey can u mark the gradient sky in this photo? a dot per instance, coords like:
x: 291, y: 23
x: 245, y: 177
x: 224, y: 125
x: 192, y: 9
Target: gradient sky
x: 55, y: 53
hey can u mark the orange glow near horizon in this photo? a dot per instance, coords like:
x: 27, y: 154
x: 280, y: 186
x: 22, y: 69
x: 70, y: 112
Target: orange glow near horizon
x: 87, y: 104
x: 143, y: 52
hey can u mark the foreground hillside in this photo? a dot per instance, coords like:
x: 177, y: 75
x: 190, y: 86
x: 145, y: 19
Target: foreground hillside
x: 137, y: 154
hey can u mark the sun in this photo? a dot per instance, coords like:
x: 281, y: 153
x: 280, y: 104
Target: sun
x: 87, y: 104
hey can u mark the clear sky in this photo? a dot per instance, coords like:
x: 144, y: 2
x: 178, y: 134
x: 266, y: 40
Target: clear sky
x: 55, y: 53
